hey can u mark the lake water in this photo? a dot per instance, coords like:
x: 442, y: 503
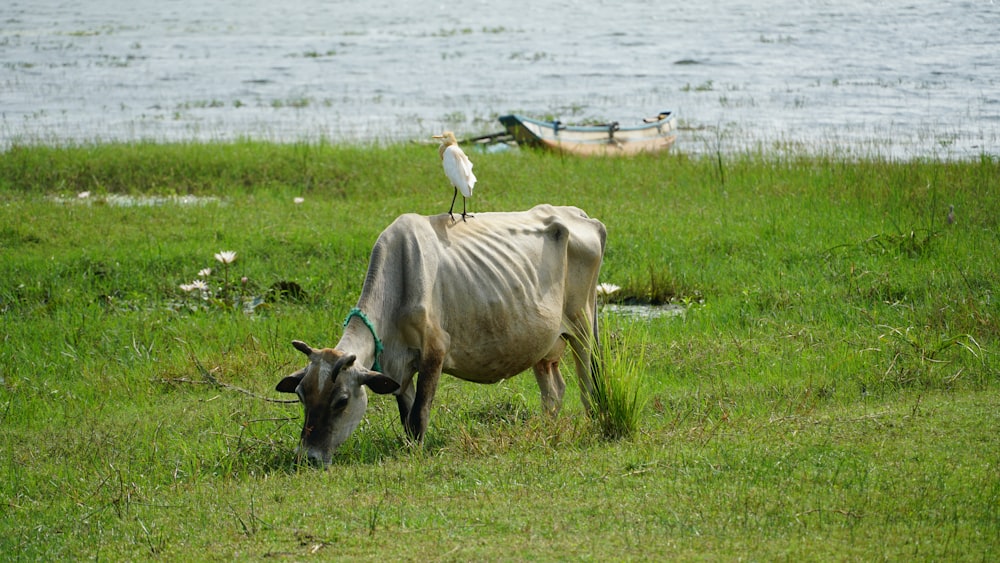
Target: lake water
x: 898, y: 78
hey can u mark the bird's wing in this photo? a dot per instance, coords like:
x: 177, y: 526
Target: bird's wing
x: 458, y: 168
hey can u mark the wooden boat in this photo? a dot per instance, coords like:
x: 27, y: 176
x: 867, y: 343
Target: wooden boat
x: 653, y: 135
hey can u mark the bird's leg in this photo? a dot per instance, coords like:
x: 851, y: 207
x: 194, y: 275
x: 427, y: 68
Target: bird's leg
x: 464, y: 214
x: 450, y: 209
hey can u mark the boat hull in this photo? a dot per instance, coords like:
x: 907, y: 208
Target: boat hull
x: 599, y: 140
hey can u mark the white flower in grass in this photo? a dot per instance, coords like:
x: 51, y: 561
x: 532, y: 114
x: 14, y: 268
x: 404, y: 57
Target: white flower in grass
x: 299, y: 200
x: 205, y: 272
x: 607, y: 289
x: 196, y: 285
x: 83, y: 195
x: 226, y: 256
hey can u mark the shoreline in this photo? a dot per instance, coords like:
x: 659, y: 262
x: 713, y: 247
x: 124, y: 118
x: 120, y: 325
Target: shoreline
x: 695, y: 143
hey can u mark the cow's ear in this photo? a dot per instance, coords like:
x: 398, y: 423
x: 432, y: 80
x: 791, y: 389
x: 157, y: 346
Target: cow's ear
x: 381, y: 384
x: 290, y: 383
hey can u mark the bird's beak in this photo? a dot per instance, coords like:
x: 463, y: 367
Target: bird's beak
x: 437, y: 136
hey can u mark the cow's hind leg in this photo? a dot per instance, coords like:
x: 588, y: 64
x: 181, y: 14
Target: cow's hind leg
x: 427, y: 381
x: 551, y: 384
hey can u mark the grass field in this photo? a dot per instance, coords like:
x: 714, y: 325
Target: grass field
x: 830, y: 392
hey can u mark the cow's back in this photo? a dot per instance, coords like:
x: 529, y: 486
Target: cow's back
x: 494, y: 290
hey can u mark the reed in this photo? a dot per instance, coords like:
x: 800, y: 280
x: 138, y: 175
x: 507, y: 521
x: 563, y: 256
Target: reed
x: 619, y: 384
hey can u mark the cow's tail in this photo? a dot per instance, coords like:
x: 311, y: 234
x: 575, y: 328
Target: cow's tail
x: 595, y: 388
x: 596, y: 354
x: 597, y: 351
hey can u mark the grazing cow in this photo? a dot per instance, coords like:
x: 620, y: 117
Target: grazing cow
x: 481, y: 300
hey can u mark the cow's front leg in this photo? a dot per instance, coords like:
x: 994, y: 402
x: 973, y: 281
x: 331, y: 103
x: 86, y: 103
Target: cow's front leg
x: 427, y: 382
x: 404, y: 400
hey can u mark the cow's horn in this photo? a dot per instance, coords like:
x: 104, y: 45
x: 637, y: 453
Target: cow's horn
x: 343, y: 362
x: 302, y: 347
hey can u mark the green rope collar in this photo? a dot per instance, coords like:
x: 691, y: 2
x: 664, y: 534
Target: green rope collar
x: 356, y: 312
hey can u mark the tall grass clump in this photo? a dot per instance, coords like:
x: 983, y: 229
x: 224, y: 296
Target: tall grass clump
x: 618, y: 398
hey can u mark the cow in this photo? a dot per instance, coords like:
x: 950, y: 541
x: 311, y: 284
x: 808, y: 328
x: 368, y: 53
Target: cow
x: 482, y: 300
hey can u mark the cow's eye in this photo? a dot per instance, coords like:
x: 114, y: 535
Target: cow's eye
x: 340, y: 403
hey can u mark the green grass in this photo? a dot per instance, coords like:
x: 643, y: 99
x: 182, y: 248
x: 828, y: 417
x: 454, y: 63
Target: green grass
x: 619, y: 396
x: 831, y: 391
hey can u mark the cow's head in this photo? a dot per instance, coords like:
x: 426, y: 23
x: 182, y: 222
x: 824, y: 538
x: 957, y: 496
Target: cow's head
x: 332, y: 391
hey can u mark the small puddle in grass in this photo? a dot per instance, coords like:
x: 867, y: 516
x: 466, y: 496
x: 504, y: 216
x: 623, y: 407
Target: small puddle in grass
x: 119, y: 200
x: 644, y: 312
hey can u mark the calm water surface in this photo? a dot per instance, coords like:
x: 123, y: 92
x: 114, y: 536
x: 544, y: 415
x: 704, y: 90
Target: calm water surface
x: 913, y: 78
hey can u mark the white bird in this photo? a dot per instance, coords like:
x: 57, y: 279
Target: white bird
x: 458, y: 169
